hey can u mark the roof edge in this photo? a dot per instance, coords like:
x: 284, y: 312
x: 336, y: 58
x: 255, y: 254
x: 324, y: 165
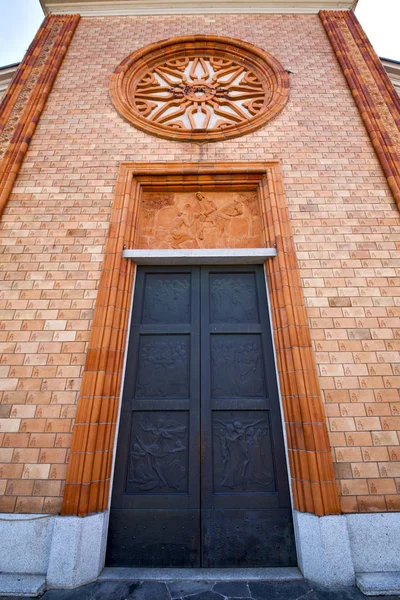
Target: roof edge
x: 92, y: 8
x: 6, y: 75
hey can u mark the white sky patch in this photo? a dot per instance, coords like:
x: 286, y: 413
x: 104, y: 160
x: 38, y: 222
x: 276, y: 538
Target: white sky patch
x: 380, y: 20
x: 19, y: 22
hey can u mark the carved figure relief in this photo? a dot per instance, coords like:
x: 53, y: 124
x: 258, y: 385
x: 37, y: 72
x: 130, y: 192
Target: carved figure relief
x: 199, y: 88
x: 167, y: 299
x: 233, y: 298
x: 197, y: 220
x: 163, y: 370
x: 158, y: 455
x: 236, y: 366
x: 243, y: 457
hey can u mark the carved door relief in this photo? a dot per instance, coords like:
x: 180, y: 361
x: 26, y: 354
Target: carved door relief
x: 200, y: 470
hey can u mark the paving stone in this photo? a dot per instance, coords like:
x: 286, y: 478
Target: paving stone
x: 237, y: 589
x: 181, y: 589
x: 324, y: 593
x: 22, y: 597
x: 279, y: 590
x: 205, y: 590
x: 209, y: 595
x: 117, y: 590
x: 147, y: 590
x: 397, y: 597
x: 120, y: 591
x: 87, y: 592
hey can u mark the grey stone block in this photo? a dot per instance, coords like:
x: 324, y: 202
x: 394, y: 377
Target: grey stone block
x: 375, y: 541
x: 25, y: 543
x: 176, y: 574
x: 379, y: 584
x: 12, y: 584
x: 205, y: 256
x: 77, y: 550
x: 323, y: 549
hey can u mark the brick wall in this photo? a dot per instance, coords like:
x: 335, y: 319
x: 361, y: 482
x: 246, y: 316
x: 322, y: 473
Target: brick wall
x: 344, y: 219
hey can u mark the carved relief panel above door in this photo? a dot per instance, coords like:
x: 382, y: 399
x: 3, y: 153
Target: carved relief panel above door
x: 200, y: 220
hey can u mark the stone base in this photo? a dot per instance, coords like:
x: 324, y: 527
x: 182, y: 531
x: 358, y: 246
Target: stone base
x: 63, y: 552
x: 323, y: 549
x: 336, y: 550
x: 25, y: 543
x: 378, y: 584
x: 85, y: 540
x: 21, y: 585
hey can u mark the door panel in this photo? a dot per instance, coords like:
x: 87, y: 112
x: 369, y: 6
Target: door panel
x: 159, y: 468
x: 246, y: 514
x: 200, y: 382
x: 247, y: 538
x: 233, y: 297
x: 242, y: 452
x: 236, y: 365
x: 155, y: 508
x: 153, y: 538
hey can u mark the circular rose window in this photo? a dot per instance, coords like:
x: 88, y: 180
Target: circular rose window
x: 199, y: 88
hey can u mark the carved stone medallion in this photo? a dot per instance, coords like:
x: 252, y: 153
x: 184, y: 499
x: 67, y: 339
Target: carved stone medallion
x: 199, y: 88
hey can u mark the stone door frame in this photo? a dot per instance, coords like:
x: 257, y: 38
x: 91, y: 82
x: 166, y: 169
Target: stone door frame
x: 310, y: 461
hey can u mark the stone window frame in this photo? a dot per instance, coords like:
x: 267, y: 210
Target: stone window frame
x: 89, y: 474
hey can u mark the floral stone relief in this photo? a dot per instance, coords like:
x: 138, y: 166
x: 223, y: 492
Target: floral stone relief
x: 199, y: 88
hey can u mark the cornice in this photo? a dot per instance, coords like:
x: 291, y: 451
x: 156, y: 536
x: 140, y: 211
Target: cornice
x: 99, y: 8
x: 6, y: 75
x: 392, y: 68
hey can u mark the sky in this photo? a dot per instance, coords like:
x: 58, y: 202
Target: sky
x: 20, y: 19
x: 380, y: 20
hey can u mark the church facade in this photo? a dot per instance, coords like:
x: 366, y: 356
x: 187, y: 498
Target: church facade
x: 200, y: 293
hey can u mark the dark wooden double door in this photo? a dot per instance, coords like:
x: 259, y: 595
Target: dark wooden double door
x: 200, y: 476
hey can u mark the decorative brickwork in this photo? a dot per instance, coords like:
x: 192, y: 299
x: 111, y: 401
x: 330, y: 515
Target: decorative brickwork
x: 23, y: 103
x: 199, y: 88
x: 90, y: 462
x: 374, y: 94
x: 89, y: 470
x: 313, y: 481
x: 345, y: 230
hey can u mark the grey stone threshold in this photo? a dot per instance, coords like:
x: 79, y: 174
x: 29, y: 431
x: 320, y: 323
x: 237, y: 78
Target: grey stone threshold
x: 13, y: 584
x: 160, y: 574
x: 379, y: 584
